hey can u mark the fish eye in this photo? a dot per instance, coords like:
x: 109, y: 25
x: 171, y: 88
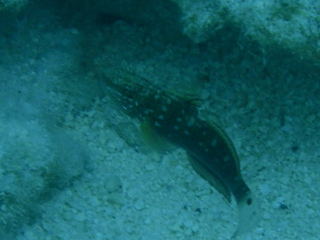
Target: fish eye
x: 249, y: 201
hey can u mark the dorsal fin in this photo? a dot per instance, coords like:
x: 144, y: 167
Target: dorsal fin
x: 188, y: 95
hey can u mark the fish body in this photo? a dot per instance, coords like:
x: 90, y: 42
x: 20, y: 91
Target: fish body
x: 176, y: 119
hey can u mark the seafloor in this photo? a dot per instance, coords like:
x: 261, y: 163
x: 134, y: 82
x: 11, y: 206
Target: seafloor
x: 73, y: 166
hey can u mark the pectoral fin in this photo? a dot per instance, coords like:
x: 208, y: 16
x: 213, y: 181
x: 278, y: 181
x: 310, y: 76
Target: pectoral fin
x: 211, y: 178
x: 152, y: 139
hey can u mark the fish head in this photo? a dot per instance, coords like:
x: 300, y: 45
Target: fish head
x: 248, y: 214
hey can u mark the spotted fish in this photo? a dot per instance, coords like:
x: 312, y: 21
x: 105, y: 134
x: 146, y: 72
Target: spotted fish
x: 175, y: 119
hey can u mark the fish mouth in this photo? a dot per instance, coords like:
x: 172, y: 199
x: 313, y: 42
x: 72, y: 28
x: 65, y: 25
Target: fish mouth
x: 248, y: 215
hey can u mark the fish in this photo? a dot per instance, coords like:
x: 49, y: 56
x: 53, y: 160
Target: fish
x: 175, y: 118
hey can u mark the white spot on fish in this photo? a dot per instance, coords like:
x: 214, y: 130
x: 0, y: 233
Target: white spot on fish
x: 186, y: 132
x: 157, y: 124
x: 190, y: 122
x: 164, y: 108
x: 213, y: 142
x: 148, y: 111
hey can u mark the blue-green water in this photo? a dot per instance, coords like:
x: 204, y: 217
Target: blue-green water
x: 74, y: 166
